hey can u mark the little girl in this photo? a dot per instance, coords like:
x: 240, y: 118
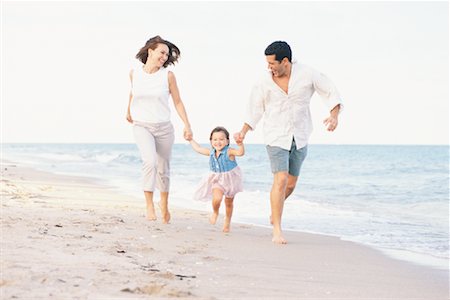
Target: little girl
x: 225, y: 178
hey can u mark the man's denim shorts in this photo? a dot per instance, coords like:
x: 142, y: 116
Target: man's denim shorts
x: 282, y: 160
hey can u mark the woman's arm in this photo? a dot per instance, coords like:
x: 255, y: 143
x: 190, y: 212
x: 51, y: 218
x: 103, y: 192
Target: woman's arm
x: 129, y: 119
x: 179, y: 106
x: 198, y: 148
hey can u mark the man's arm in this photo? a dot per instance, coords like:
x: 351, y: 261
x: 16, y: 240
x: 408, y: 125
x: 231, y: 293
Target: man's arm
x: 332, y: 121
x: 255, y: 111
x: 240, y: 136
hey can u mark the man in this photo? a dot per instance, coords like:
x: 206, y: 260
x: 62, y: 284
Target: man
x: 283, y: 97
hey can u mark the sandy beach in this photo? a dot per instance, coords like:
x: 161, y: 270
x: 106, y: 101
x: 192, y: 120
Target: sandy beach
x: 69, y: 237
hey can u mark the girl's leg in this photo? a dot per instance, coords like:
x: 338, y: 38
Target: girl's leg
x: 229, y: 213
x: 146, y: 145
x: 217, y: 198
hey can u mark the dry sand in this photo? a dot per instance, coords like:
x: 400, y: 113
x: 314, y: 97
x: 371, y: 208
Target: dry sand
x: 70, y: 238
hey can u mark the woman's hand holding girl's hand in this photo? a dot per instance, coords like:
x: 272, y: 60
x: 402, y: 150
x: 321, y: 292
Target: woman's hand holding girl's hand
x: 129, y: 119
x: 187, y: 133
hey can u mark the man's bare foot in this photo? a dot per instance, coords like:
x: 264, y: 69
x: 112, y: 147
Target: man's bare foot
x: 226, y: 225
x: 166, y: 217
x: 213, y: 218
x: 279, y: 239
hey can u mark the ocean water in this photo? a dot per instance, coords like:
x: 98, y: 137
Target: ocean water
x: 392, y: 198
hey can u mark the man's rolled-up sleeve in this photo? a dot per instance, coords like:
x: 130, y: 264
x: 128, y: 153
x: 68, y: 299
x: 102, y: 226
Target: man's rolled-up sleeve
x: 327, y: 90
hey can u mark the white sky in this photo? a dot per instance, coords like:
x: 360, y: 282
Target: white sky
x: 64, y: 68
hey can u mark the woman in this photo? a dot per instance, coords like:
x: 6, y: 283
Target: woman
x: 148, y: 111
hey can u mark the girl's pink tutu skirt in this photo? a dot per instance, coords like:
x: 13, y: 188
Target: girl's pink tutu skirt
x: 229, y: 182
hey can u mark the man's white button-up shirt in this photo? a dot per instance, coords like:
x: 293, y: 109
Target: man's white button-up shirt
x: 287, y: 115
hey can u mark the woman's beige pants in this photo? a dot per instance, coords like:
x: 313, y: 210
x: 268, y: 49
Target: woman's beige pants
x: 155, y: 141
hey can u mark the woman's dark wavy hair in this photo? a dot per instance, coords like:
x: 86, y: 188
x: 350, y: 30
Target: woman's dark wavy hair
x: 220, y: 129
x: 174, y: 52
x: 280, y: 49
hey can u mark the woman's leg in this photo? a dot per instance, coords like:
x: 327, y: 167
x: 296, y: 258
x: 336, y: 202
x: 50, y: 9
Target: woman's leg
x: 164, y: 205
x: 163, y: 143
x: 146, y: 145
x: 151, y: 215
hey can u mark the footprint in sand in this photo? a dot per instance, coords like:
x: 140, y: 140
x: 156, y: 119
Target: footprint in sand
x: 245, y: 226
x: 159, y: 289
x: 150, y: 289
x: 47, y: 188
x: 188, y: 250
x: 210, y: 258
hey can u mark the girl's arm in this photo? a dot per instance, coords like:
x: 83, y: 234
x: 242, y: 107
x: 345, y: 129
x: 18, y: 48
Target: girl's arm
x: 198, y: 148
x: 240, y: 151
x: 179, y: 106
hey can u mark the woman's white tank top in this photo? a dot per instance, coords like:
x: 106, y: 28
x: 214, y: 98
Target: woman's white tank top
x: 150, y: 101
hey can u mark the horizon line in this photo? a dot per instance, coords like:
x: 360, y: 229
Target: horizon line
x: 179, y: 143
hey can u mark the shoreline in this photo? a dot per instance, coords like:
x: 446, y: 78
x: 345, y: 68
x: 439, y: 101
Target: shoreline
x: 415, y: 258
x: 52, y: 224
x: 416, y: 226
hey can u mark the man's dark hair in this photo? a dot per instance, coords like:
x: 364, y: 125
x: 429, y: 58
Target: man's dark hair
x: 280, y: 49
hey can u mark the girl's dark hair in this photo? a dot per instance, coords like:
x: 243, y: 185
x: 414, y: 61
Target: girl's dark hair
x: 280, y: 49
x: 173, y: 55
x: 220, y: 129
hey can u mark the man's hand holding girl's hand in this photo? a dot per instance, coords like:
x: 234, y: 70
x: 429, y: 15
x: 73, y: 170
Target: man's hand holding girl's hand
x: 239, y: 138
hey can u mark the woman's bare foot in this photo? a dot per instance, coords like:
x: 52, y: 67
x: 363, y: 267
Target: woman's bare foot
x: 151, y: 215
x: 165, y: 214
x: 166, y: 217
x: 213, y: 218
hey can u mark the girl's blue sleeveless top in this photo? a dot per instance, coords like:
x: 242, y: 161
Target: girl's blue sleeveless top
x: 222, y: 163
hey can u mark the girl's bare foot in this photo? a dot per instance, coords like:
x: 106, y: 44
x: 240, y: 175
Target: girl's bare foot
x: 213, y: 218
x: 226, y: 225
x: 151, y: 216
x: 278, y: 239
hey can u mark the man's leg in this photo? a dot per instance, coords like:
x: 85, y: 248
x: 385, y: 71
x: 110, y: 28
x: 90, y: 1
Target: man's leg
x: 296, y: 158
x: 277, y: 196
x: 291, y: 183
